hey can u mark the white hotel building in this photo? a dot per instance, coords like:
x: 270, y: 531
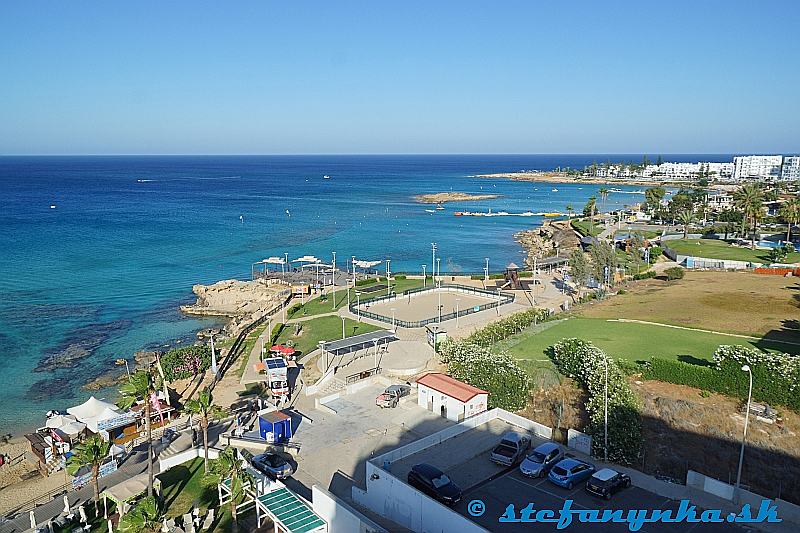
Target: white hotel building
x: 752, y: 167
x: 791, y: 168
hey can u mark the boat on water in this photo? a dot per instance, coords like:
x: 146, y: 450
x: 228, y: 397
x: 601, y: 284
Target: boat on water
x: 439, y: 207
x: 554, y: 190
x: 430, y: 210
x: 326, y: 177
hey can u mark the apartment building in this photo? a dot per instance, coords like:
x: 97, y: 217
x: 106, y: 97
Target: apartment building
x: 791, y: 168
x: 753, y: 167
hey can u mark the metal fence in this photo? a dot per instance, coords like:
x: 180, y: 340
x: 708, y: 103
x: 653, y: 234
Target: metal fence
x: 502, y: 298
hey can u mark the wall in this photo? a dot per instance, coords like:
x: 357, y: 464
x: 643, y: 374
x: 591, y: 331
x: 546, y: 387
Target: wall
x: 454, y: 409
x: 180, y: 458
x: 339, y: 515
x: 787, y: 511
x: 406, y: 506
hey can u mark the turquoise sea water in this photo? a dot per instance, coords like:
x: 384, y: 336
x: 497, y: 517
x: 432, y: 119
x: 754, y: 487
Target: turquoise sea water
x: 103, y: 272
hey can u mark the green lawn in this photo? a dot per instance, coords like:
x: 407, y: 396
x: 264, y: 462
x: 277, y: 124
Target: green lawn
x: 717, y: 249
x: 585, y: 228
x: 636, y: 342
x: 324, y: 328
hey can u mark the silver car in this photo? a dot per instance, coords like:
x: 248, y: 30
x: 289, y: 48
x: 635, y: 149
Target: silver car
x: 539, y: 462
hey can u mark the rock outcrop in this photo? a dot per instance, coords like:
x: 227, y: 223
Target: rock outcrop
x: 234, y: 298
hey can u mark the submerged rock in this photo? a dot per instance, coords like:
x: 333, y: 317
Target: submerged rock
x: 80, y: 343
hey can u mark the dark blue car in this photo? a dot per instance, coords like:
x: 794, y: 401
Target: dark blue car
x: 567, y: 472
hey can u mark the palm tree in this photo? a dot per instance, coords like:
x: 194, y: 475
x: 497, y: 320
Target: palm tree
x: 603, y: 192
x: 686, y: 217
x: 790, y: 212
x: 204, y: 407
x: 591, y: 208
x: 749, y: 199
x: 228, y: 465
x: 146, y: 516
x: 91, y: 452
x: 142, y: 387
x: 570, y: 210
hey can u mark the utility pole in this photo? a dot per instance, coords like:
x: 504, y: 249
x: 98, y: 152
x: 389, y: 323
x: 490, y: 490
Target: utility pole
x: 424, y: 276
x: 433, y: 261
x: 333, y: 279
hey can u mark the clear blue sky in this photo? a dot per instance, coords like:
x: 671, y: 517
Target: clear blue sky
x: 264, y: 77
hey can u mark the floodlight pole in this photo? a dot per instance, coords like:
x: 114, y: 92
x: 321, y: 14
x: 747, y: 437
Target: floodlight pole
x: 439, y: 270
x: 343, y: 333
x: 486, y: 277
x: 745, y: 368
x: 605, y: 415
x: 388, y: 278
x: 424, y: 276
x: 358, y: 305
x: 433, y: 261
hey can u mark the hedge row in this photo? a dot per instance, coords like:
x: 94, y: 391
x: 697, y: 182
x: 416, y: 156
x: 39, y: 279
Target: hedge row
x: 776, y: 377
x: 645, y: 275
x: 589, y: 365
x: 508, y: 326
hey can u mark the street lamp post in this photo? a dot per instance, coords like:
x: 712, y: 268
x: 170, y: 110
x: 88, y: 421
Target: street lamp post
x: 388, y: 278
x: 745, y: 368
x: 439, y: 307
x: 285, y: 265
x: 433, y: 261
x: 343, y: 333
x: 605, y: 416
x: 358, y: 305
x: 394, y: 326
x: 486, y: 270
x: 333, y: 279
x: 457, y: 300
x: 424, y: 276
x: 439, y: 270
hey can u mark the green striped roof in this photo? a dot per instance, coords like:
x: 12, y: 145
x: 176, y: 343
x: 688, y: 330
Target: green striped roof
x: 292, y: 513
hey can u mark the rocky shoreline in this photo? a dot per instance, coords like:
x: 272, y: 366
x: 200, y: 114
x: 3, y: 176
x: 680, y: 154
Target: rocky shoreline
x: 550, y: 238
x: 561, y: 177
x: 442, y: 197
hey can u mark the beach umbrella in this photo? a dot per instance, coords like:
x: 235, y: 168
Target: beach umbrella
x: 33, y: 520
x: 110, y: 526
x: 66, y: 504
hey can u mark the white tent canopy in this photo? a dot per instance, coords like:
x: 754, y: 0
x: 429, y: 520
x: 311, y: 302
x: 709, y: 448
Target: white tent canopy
x: 91, y: 408
x: 366, y: 264
x: 274, y: 261
x: 66, y: 424
x: 122, y: 493
x: 306, y: 259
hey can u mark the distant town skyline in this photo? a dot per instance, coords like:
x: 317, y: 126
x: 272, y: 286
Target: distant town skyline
x: 414, y: 78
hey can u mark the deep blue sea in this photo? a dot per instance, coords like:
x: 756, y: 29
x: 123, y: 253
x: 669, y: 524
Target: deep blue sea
x: 103, y: 273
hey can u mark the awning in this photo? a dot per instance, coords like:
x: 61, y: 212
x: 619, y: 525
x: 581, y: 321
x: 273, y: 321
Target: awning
x: 366, y: 264
x: 365, y: 339
x: 306, y: 259
x: 290, y: 512
x: 66, y: 424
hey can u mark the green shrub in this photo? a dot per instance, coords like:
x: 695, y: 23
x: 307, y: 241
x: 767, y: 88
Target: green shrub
x: 185, y: 362
x: 673, y: 273
x: 276, y: 332
x: 655, y: 253
x: 776, y: 377
x: 645, y: 275
x: 400, y: 277
x: 498, y: 374
x: 508, y: 326
x: 595, y: 370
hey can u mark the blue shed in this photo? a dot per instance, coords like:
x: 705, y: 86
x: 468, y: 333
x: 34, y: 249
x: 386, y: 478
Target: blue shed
x: 274, y: 426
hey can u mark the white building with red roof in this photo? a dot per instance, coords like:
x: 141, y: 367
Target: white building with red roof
x: 452, y: 399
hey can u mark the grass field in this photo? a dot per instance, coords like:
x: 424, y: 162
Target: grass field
x: 585, y: 228
x: 323, y: 328
x: 731, y: 302
x: 717, y: 249
x: 632, y: 341
x: 324, y: 304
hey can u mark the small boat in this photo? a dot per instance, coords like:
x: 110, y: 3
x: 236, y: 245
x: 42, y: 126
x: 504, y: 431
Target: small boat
x: 52, y: 207
x: 430, y: 210
x: 326, y: 177
x: 554, y: 190
x: 552, y: 214
x: 459, y: 213
x: 439, y: 207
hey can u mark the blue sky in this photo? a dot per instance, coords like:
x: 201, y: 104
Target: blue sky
x: 264, y: 77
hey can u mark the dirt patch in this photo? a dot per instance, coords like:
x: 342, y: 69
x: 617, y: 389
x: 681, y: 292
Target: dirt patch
x: 688, y: 429
x: 731, y: 302
x: 560, y: 406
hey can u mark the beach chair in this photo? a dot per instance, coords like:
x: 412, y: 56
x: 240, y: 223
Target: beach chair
x: 188, y: 522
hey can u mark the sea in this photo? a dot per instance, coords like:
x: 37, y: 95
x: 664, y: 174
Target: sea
x: 97, y: 253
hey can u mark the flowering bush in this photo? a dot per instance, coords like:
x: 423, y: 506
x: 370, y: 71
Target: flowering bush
x: 498, y: 374
x: 185, y: 362
x: 587, y: 364
x: 508, y: 326
x: 776, y: 376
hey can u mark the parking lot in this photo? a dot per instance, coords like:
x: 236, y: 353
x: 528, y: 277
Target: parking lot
x: 515, y: 488
x: 465, y: 460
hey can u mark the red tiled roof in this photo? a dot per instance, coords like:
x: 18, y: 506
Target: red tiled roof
x: 450, y: 386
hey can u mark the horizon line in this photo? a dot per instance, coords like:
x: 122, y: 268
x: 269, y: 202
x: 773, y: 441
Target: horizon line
x: 329, y: 154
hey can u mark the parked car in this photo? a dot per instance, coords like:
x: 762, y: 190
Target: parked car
x: 567, y: 472
x: 539, y: 462
x: 605, y: 482
x: 391, y: 396
x: 272, y: 465
x: 511, y: 449
x: 433, y: 482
